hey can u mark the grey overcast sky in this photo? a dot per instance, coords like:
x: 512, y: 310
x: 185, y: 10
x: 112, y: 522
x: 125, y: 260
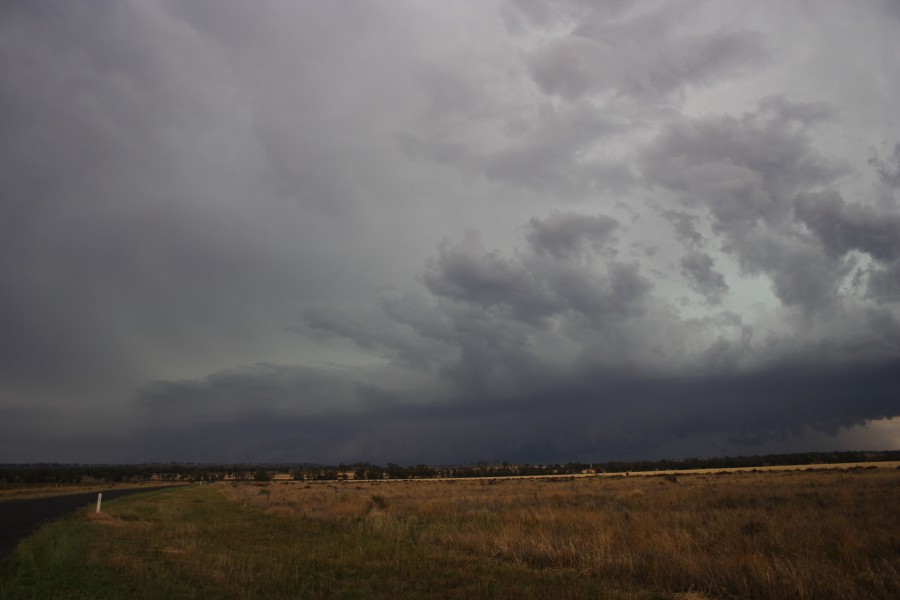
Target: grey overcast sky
x: 439, y: 232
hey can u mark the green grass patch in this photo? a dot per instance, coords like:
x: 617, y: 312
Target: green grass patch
x: 193, y: 543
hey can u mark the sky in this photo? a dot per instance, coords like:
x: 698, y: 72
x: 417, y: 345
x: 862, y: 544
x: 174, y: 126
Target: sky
x: 443, y: 232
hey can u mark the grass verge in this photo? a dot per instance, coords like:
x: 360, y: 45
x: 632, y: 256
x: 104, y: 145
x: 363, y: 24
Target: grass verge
x: 193, y: 543
x: 806, y: 535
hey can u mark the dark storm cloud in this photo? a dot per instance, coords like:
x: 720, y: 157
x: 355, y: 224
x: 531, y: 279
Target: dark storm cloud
x: 746, y: 173
x: 801, y: 274
x: 889, y: 170
x: 496, y: 312
x: 685, y: 226
x: 533, y: 286
x: 505, y: 401
x: 547, y: 158
x: 884, y: 283
x: 149, y: 225
x: 552, y: 150
x: 217, y: 220
x: 489, y: 320
x: 603, y: 414
x: 743, y: 170
x: 102, y: 213
x: 774, y: 400
x: 466, y: 272
x: 233, y: 394
x: 81, y: 174
x: 155, y: 204
x: 548, y: 155
x: 570, y: 235
x: 641, y: 58
x: 841, y: 227
x: 407, y: 329
x: 698, y: 268
x: 541, y: 15
x: 892, y: 9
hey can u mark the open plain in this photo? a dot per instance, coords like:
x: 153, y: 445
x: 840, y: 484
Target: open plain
x: 779, y: 534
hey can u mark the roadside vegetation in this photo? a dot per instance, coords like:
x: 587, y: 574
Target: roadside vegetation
x: 799, y: 534
x: 194, y: 543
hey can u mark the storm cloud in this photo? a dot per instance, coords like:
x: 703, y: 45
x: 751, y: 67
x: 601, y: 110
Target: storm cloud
x: 408, y: 232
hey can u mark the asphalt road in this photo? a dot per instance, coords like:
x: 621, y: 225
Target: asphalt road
x: 21, y: 518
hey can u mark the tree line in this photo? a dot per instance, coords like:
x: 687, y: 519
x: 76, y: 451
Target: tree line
x: 63, y: 473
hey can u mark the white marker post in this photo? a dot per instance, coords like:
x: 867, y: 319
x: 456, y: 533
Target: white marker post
x: 99, y: 499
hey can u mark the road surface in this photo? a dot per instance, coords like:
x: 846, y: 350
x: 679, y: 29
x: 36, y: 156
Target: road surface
x: 21, y: 518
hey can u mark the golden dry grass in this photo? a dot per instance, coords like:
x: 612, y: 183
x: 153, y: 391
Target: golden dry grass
x: 193, y: 544
x: 808, y: 534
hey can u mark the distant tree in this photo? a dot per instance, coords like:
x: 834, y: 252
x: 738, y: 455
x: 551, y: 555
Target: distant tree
x: 262, y: 475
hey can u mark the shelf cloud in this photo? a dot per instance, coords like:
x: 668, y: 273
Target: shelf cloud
x: 406, y: 232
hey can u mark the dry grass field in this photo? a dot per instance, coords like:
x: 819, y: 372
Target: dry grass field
x: 808, y: 534
x: 778, y: 534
